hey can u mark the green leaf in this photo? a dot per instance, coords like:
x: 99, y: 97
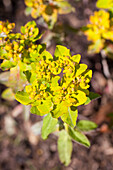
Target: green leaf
x: 86, y: 125
x: 76, y: 58
x: 23, y: 98
x: 80, y: 69
x: 34, y: 110
x: 79, y: 137
x: 70, y: 117
x: 15, y: 80
x: 65, y: 7
x: 28, y: 75
x: 28, y: 10
x: 54, y: 83
x: 8, y: 94
x: 7, y: 65
x: 107, y: 4
x: 60, y: 109
x: 46, y: 55
x: 80, y: 96
x: 92, y: 96
x: 41, y: 48
x: 23, y: 30
x: 61, y: 51
x: 42, y: 108
x: 88, y: 75
x: 64, y: 147
x: 32, y: 78
x: 24, y: 66
x: 39, y: 36
x: 49, y: 125
x: 45, y: 107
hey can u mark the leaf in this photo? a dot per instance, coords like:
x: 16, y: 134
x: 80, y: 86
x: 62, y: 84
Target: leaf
x: 28, y: 10
x: 54, y: 83
x: 80, y: 96
x: 65, y: 7
x: 45, y: 107
x: 86, y: 125
x: 61, y: 51
x: 96, y: 47
x: 8, y: 94
x: 34, y: 110
x: 88, y: 75
x: 46, y: 55
x: 104, y: 4
x: 60, y: 109
x: 23, y: 30
x: 28, y: 75
x: 37, y: 37
x: 23, y: 98
x: 76, y: 58
x: 16, y: 80
x: 64, y: 147
x: 49, y: 125
x: 70, y: 117
x: 92, y: 96
x: 80, y: 69
x: 7, y: 64
x: 79, y: 137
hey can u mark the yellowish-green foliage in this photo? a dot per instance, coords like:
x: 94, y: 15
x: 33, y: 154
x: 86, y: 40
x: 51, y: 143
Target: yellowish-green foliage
x: 6, y: 27
x: 54, y: 86
x: 17, y: 47
x: 106, y: 4
x: 55, y: 83
x: 60, y: 82
x: 48, y: 9
x: 99, y: 30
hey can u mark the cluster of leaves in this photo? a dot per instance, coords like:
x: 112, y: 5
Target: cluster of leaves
x: 100, y: 29
x: 54, y: 86
x: 57, y: 84
x: 48, y: 9
x: 16, y: 47
x: 15, y: 53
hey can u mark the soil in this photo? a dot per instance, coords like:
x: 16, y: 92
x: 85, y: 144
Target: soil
x: 20, y: 147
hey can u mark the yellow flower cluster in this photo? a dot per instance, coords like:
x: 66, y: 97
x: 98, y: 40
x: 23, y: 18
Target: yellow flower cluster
x: 16, y: 47
x: 99, y: 29
x: 48, y: 9
x: 61, y: 80
x: 55, y: 82
x: 6, y: 27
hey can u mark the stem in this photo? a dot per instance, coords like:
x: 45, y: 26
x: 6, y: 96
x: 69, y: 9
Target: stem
x: 26, y: 112
x: 105, y: 65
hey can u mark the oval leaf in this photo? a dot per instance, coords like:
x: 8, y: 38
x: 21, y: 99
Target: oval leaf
x: 92, y: 96
x: 23, y: 97
x: 64, y: 147
x: 70, y: 117
x: 78, y: 137
x: 8, y: 94
x: 49, y: 125
x: 86, y: 125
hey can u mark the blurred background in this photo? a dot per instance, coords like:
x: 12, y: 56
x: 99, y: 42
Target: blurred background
x: 21, y: 146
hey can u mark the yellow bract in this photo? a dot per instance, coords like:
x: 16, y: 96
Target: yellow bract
x: 61, y: 80
x: 99, y: 30
x: 15, y: 47
x: 48, y: 9
x: 6, y: 27
x: 54, y: 83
